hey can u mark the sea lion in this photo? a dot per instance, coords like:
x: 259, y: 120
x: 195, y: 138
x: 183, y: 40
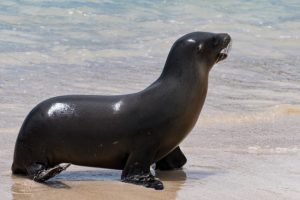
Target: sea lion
x: 128, y: 132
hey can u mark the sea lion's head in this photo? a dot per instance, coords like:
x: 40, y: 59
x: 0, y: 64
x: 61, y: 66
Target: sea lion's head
x: 203, y: 48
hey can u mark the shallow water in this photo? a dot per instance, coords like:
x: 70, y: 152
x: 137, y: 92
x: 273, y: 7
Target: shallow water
x: 247, y: 137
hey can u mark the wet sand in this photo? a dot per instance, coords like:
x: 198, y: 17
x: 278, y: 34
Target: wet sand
x: 257, y: 160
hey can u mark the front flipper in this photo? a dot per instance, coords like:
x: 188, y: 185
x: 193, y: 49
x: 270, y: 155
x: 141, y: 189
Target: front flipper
x: 39, y: 173
x: 173, y: 160
x: 137, y: 171
x: 147, y: 180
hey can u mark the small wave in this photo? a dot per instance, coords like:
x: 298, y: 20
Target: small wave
x: 9, y: 130
x: 277, y: 150
x: 268, y: 115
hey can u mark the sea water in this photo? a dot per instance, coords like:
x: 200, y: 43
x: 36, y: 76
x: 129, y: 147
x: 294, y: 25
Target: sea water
x: 50, y: 48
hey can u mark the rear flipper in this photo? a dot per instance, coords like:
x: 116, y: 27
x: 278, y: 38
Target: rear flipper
x: 173, y: 160
x: 39, y: 173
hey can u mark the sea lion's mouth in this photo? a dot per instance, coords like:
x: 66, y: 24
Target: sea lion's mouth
x: 225, y: 50
x: 222, y: 55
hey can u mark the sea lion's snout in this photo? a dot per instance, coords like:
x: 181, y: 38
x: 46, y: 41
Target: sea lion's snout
x: 226, y: 39
x: 226, y: 45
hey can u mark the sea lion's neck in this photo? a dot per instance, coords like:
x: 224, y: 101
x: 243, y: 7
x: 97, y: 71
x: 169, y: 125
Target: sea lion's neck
x: 185, y: 71
x: 189, y: 79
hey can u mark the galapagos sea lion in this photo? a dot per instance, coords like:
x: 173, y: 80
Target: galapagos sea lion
x: 127, y: 132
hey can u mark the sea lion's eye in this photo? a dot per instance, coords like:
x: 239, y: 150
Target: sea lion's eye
x: 215, y: 41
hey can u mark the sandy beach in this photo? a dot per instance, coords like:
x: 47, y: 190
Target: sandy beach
x: 245, y: 144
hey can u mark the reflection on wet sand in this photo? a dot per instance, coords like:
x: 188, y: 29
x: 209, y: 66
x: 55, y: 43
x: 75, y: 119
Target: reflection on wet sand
x: 92, y: 184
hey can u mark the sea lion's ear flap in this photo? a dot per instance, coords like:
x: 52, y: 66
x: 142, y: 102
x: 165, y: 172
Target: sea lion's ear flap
x: 199, y: 47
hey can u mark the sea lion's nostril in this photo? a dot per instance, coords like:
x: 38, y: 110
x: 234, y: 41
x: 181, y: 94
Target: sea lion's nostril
x: 226, y: 38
